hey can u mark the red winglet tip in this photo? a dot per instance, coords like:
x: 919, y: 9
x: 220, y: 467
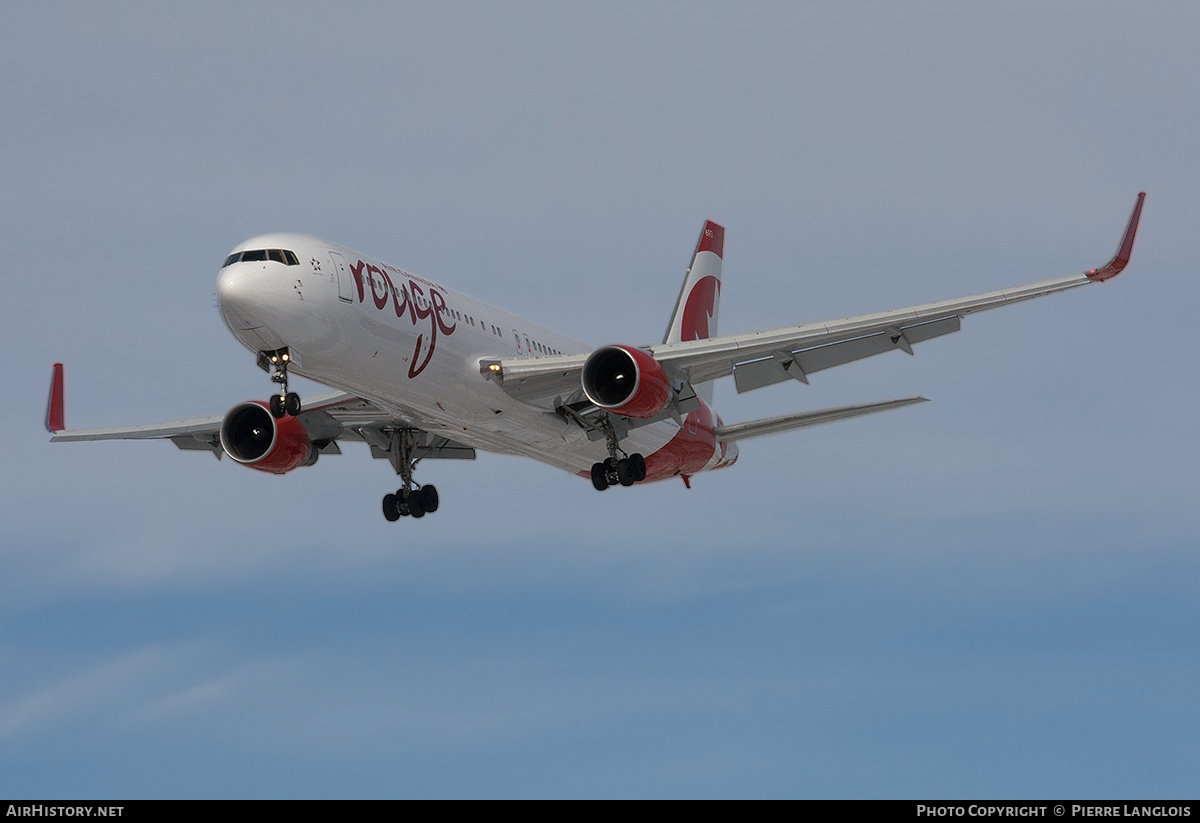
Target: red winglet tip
x: 54, y: 406
x: 1125, y: 250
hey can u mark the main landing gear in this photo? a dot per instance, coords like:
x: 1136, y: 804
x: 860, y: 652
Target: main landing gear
x: 417, y: 502
x: 285, y: 402
x: 626, y: 471
x: 410, y: 499
x: 614, y: 470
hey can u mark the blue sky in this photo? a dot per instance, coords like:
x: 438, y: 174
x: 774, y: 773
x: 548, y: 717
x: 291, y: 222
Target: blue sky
x: 993, y: 594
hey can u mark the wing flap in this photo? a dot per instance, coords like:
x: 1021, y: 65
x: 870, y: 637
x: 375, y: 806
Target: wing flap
x: 199, y: 443
x: 425, y: 445
x: 799, y: 364
x: 536, y: 380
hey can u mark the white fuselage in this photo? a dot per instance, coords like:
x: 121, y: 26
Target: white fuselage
x: 414, y: 346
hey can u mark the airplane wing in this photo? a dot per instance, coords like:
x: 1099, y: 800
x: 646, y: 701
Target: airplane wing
x: 763, y: 358
x: 327, y: 419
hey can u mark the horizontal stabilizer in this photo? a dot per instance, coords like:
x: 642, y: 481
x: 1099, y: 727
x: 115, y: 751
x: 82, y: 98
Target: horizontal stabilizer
x: 740, y: 431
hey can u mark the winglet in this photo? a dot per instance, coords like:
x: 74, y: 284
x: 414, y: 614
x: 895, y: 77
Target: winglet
x: 54, y: 405
x: 1121, y: 259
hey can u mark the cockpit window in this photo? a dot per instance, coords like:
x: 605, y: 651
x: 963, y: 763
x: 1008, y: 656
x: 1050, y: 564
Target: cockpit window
x: 287, y: 258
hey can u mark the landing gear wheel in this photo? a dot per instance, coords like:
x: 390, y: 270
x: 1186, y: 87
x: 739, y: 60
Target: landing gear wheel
x: 416, y: 506
x: 638, y: 464
x: 429, y: 499
x: 291, y: 403
x: 277, y: 410
x: 391, y: 508
x: 599, y: 476
x: 625, y: 475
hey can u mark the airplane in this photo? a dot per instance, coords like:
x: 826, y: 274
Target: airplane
x: 421, y: 371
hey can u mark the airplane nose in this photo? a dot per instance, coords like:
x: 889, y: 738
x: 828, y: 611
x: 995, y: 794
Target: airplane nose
x: 249, y: 301
x: 237, y: 297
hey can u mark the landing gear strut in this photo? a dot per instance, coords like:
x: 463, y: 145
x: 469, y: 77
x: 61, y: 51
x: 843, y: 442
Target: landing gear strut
x: 285, y: 402
x: 410, y: 499
x: 614, y: 470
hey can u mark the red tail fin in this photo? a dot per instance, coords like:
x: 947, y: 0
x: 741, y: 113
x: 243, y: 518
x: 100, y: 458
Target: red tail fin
x: 695, y: 316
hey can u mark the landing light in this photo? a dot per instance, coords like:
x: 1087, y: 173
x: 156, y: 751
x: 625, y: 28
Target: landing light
x: 494, y: 367
x: 285, y: 357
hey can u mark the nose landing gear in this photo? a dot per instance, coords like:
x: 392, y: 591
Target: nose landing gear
x: 285, y: 402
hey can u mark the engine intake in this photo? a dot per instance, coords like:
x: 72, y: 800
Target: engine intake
x: 626, y: 381
x: 252, y: 437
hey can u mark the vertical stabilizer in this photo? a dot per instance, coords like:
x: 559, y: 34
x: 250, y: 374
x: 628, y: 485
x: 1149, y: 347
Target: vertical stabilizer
x: 695, y: 316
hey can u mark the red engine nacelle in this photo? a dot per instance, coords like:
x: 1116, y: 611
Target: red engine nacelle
x: 252, y: 437
x: 626, y: 381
